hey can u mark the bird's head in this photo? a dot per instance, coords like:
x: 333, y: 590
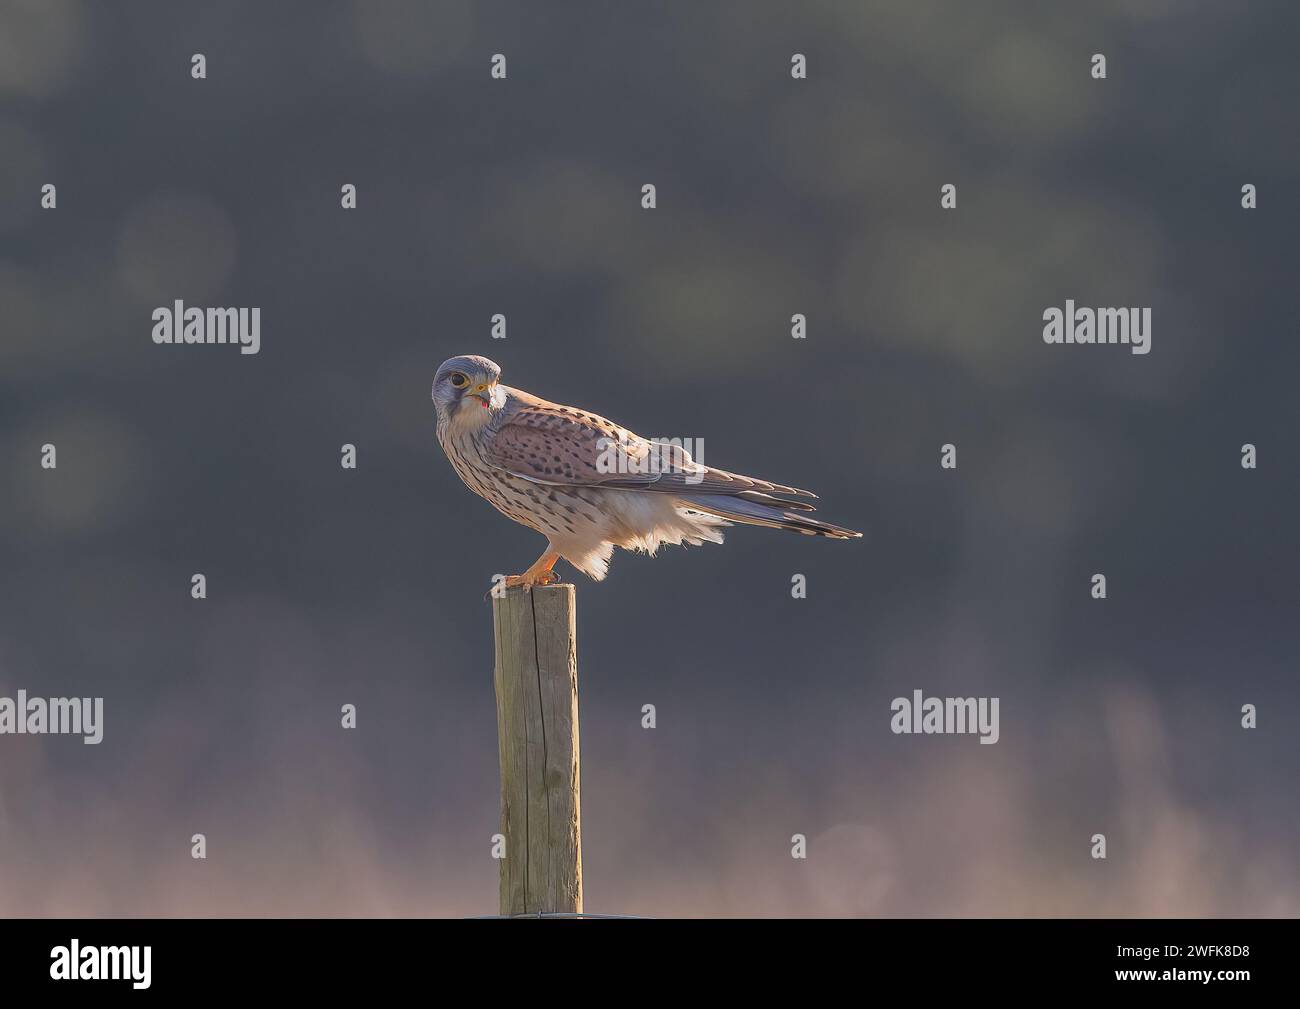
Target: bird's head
x: 465, y: 389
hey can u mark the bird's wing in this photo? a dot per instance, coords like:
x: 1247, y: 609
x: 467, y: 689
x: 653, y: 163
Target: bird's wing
x: 563, y: 445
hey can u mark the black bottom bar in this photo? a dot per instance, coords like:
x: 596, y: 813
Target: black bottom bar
x: 377, y: 957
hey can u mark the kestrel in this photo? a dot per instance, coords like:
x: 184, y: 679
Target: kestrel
x: 588, y: 484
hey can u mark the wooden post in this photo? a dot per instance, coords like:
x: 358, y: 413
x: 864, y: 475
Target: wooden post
x: 536, y: 678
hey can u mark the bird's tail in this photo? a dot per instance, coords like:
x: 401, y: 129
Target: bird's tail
x: 757, y: 509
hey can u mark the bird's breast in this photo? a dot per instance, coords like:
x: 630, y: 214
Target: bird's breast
x: 524, y: 501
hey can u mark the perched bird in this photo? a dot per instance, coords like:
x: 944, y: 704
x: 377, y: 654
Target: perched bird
x: 588, y: 484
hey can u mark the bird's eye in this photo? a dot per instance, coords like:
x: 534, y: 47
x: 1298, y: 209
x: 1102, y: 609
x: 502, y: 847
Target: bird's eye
x: 458, y: 380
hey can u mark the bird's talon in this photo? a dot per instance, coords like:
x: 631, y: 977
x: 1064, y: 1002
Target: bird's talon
x: 527, y: 580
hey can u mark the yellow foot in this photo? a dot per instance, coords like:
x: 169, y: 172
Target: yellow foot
x: 530, y: 578
x: 539, y: 574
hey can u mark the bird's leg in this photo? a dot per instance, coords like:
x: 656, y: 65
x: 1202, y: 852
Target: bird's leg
x: 539, y: 574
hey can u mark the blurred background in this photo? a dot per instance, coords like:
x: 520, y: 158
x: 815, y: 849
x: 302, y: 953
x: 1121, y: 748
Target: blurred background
x: 775, y: 196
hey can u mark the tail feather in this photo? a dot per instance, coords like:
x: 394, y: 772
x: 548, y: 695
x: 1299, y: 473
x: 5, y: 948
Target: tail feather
x: 760, y: 498
x: 778, y: 515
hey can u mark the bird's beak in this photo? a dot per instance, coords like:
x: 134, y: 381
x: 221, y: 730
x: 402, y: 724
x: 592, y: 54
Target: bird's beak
x: 483, y: 391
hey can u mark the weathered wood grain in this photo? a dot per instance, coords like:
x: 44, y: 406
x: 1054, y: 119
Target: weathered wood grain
x: 536, y: 679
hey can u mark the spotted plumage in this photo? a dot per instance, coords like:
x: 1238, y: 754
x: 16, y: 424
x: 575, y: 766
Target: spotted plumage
x: 588, y: 484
